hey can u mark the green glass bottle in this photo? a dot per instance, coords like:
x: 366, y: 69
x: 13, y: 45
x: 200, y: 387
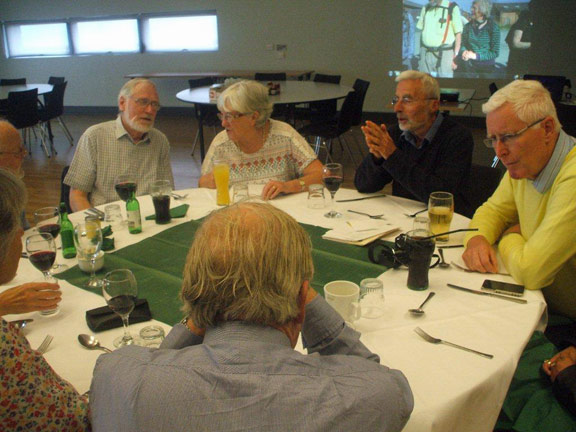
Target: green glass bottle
x: 133, y: 212
x: 66, y: 233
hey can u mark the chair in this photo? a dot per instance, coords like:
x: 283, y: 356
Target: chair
x: 15, y: 81
x: 23, y: 114
x: 316, y: 112
x: 56, y: 80
x: 53, y: 110
x: 493, y: 88
x: 326, y: 131
x: 65, y: 189
x: 270, y: 76
x: 482, y: 182
x: 208, y: 113
x: 361, y: 88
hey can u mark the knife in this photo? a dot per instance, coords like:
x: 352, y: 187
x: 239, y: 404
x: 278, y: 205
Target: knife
x: 503, y: 297
x: 360, y: 199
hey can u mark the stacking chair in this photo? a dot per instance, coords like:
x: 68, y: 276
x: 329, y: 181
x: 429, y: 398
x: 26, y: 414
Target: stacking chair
x: 482, y: 182
x: 325, y: 132
x: 209, y: 113
x: 361, y: 88
x: 56, y: 80
x: 15, y: 81
x: 316, y: 112
x: 272, y: 76
x: 23, y: 114
x: 52, y: 110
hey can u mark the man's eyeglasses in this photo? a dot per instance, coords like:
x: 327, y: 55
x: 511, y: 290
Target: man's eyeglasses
x: 506, y: 139
x: 407, y: 100
x: 143, y: 102
x: 229, y: 116
x: 20, y: 153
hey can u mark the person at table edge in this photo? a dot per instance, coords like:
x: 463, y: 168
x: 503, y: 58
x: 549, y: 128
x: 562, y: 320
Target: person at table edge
x: 128, y: 145
x: 231, y: 363
x: 257, y: 148
x: 529, y: 219
x: 426, y: 152
x: 32, y: 395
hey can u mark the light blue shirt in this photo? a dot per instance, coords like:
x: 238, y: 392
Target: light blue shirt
x: 411, y: 138
x: 545, y: 179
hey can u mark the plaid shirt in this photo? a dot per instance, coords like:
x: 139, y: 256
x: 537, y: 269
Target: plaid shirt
x: 106, y: 151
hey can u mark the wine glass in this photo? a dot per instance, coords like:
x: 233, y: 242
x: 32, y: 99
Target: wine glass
x: 332, y: 178
x: 88, y: 241
x: 125, y: 185
x: 47, y: 220
x: 120, y: 290
x: 41, y: 250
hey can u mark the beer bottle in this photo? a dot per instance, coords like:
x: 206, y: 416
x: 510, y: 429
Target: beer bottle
x: 133, y: 212
x: 66, y: 233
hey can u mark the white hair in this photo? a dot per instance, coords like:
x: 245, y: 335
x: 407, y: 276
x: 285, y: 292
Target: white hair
x: 429, y: 84
x: 247, y: 97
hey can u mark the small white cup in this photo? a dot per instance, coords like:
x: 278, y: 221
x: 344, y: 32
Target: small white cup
x: 344, y: 297
x: 240, y: 192
x: 113, y: 215
x: 316, y: 198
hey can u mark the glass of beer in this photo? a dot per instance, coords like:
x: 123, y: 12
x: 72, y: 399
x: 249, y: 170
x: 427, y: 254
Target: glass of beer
x: 221, y: 172
x: 440, y: 212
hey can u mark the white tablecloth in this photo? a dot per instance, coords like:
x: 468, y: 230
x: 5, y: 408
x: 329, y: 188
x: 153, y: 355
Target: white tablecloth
x: 454, y: 390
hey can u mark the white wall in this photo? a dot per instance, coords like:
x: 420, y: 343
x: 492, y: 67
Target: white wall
x: 353, y: 38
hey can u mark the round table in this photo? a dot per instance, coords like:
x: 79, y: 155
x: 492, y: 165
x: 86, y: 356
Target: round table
x: 42, y: 89
x: 291, y: 93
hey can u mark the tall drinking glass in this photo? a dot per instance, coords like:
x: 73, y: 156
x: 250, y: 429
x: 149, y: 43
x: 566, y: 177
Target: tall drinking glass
x: 221, y: 172
x: 160, y: 191
x: 120, y: 290
x: 125, y: 184
x: 88, y: 241
x: 47, y: 220
x: 41, y: 250
x: 332, y: 177
x: 440, y: 212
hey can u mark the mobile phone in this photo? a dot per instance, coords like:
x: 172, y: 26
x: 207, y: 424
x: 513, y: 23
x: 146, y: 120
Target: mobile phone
x: 503, y: 288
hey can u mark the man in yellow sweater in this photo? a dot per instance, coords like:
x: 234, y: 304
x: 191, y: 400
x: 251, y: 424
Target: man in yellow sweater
x: 531, y: 217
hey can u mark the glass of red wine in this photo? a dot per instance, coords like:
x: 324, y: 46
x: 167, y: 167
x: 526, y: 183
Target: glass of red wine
x: 41, y: 250
x: 47, y: 220
x: 125, y: 185
x: 332, y: 177
x: 120, y: 291
x: 88, y: 241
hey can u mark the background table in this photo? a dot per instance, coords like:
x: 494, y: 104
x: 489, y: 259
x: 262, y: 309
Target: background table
x: 453, y: 389
x: 291, y: 93
x: 294, y: 74
x: 42, y: 89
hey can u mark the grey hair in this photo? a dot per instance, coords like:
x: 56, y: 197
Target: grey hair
x: 12, y: 201
x: 429, y: 84
x: 529, y: 99
x: 247, y: 262
x: 247, y: 97
x: 127, y: 89
x: 484, y: 7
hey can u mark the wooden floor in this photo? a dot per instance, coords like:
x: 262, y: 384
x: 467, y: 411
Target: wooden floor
x: 43, y: 174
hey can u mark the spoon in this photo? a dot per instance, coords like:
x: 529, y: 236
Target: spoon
x: 443, y: 264
x: 420, y: 311
x: 90, y: 342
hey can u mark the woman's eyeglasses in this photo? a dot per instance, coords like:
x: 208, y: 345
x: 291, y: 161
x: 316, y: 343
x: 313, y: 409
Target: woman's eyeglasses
x: 229, y: 116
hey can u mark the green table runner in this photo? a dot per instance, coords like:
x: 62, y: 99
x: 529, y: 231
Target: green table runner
x: 158, y: 263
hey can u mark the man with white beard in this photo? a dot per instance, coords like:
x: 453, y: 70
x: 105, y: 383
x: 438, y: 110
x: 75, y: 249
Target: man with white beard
x: 128, y: 145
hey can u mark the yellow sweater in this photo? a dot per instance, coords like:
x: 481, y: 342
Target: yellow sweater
x: 544, y: 256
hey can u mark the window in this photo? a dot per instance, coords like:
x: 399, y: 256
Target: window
x: 138, y: 33
x: 181, y: 33
x: 47, y: 39
x: 103, y: 36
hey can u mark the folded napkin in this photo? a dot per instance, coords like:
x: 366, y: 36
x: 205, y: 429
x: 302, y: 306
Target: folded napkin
x: 176, y: 212
x: 360, y: 233
x: 103, y: 318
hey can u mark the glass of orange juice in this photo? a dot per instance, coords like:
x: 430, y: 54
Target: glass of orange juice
x: 221, y: 172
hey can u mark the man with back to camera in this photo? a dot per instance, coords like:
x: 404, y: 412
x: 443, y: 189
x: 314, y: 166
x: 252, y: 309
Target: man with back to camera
x: 128, y: 145
x: 441, y: 25
x: 530, y: 217
x: 231, y: 364
x: 426, y: 152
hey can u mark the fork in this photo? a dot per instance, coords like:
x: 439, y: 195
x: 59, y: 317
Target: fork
x: 381, y: 216
x: 45, y: 344
x: 434, y: 340
x: 413, y: 215
x: 177, y: 196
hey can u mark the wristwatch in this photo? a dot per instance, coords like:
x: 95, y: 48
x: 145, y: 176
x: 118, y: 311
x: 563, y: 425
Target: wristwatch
x: 302, y: 185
